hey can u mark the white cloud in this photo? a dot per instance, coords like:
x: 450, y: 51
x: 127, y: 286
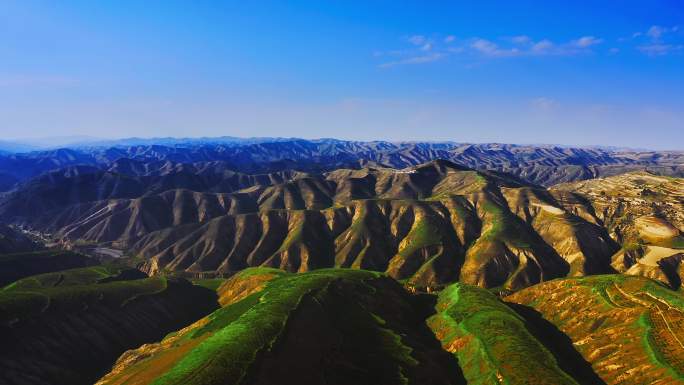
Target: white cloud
x: 427, y: 50
x: 489, y: 48
x: 658, y: 49
x: 485, y: 46
x: 586, y: 41
x: 414, y: 60
x: 655, y: 32
x: 417, y: 39
x: 542, y: 46
x: 534, y: 48
x: 521, y: 39
x: 658, y: 40
x: 544, y: 104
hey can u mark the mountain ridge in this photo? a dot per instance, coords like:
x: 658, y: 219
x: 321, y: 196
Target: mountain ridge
x: 429, y: 224
x: 545, y: 165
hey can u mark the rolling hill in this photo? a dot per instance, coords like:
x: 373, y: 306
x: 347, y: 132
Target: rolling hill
x: 68, y: 327
x: 430, y: 224
x: 328, y: 326
x: 337, y: 326
x: 15, y: 266
x: 496, y: 345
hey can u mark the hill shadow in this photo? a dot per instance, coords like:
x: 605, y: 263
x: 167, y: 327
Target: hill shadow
x: 559, y: 344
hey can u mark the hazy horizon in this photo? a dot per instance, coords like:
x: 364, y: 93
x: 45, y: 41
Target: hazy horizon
x: 40, y: 143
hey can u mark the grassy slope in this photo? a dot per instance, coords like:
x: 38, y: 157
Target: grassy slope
x: 491, y: 341
x: 72, y: 289
x: 489, y: 262
x: 296, y: 321
x: 67, y: 327
x: 423, y: 234
x: 20, y: 265
x: 239, y: 336
x: 209, y: 283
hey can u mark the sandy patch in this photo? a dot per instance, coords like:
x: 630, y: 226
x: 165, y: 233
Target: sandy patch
x: 652, y: 227
x: 549, y: 209
x: 655, y: 254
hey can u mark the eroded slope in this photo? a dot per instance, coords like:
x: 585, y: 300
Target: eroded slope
x: 628, y: 328
x: 644, y: 213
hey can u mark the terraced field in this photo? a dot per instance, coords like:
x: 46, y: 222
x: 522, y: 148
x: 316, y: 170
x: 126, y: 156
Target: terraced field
x: 628, y: 328
x: 666, y: 334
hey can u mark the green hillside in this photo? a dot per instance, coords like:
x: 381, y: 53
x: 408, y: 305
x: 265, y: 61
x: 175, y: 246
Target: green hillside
x: 19, y: 265
x: 491, y: 341
x: 327, y: 326
x: 69, y: 327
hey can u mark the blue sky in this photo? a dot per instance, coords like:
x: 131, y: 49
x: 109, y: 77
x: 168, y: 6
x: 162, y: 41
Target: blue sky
x: 502, y: 71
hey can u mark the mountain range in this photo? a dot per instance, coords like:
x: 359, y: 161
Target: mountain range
x: 545, y: 165
x: 261, y: 260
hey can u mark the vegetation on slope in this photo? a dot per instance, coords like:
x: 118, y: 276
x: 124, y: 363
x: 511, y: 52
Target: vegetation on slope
x: 491, y: 341
x: 629, y: 328
x: 19, y: 265
x: 431, y: 225
x: 328, y: 326
x: 68, y: 327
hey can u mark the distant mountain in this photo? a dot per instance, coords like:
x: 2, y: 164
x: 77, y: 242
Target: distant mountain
x: 14, y: 241
x: 545, y: 165
x: 56, y: 142
x: 9, y: 147
x: 125, y: 180
x: 431, y: 224
x: 174, y: 142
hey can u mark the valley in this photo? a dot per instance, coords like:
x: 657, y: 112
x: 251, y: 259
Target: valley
x: 156, y: 271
